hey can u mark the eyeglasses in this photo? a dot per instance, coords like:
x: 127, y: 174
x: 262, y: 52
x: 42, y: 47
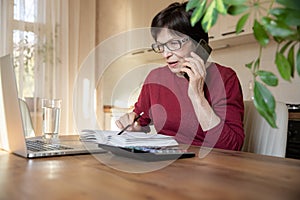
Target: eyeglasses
x: 172, y: 45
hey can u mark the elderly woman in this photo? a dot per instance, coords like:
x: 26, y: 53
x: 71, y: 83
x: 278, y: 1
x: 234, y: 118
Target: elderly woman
x: 197, y: 102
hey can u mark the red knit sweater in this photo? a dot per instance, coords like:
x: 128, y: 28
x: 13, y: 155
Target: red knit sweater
x: 166, y: 105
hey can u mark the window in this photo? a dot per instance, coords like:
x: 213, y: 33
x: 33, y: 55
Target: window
x: 24, y: 51
x: 35, y: 25
x: 36, y: 33
x: 24, y: 45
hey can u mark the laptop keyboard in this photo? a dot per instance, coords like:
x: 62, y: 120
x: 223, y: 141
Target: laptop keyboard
x: 38, y: 145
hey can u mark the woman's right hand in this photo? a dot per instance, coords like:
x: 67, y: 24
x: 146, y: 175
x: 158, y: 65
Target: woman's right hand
x: 127, y: 119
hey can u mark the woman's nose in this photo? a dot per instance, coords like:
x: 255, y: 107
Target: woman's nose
x: 167, y: 53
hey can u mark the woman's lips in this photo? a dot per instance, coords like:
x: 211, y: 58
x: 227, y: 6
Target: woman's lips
x: 173, y: 64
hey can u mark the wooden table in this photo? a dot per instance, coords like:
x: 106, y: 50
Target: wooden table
x: 219, y: 175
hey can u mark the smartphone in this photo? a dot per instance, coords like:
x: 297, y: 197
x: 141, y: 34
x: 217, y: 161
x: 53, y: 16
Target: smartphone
x: 203, y: 50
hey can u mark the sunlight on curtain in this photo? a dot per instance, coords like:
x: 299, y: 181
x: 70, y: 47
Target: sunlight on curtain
x: 36, y: 33
x: 5, y: 14
x: 48, y: 39
x: 37, y: 52
x: 5, y: 26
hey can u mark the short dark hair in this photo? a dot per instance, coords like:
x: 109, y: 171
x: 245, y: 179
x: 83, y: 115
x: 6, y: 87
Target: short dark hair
x: 176, y: 18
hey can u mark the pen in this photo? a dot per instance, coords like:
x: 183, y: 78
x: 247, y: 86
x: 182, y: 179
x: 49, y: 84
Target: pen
x: 135, y: 119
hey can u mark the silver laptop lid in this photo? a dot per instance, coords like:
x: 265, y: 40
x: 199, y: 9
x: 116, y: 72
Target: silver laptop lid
x: 11, y: 107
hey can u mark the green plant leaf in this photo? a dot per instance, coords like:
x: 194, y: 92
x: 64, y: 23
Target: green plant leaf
x: 249, y: 65
x: 282, y: 50
x: 298, y: 61
x: 192, y: 4
x: 237, y: 9
x: 283, y: 66
x: 291, y: 60
x: 256, y: 64
x: 260, y: 34
x: 234, y: 2
x: 198, y: 12
x: 221, y: 7
x: 278, y: 39
x: 210, y: 17
x: 277, y: 28
x: 265, y: 103
x: 241, y: 23
x: 268, y: 78
x: 289, y: 16
x: 293, y: 4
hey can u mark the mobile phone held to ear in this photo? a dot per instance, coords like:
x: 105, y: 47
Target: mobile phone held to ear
x: 203, y: 50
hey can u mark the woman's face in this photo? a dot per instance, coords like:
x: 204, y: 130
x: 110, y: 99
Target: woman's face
x: 175, y: 58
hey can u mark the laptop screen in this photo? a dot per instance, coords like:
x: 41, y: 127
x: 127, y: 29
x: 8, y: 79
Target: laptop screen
x: 12, y: 134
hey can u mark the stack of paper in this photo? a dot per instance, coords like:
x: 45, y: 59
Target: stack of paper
x: 127, y: 138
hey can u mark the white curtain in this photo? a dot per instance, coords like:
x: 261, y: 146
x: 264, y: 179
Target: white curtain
x: 5, y: 14
x: 43, y: 32
x: 48, y: 40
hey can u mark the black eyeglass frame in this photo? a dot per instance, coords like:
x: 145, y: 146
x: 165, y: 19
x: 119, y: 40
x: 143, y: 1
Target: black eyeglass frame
x: 159, y: 48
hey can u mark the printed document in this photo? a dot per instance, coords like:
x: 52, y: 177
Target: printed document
x: 127, y: 139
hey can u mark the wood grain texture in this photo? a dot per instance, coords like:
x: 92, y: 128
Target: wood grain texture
x: 220, y: 175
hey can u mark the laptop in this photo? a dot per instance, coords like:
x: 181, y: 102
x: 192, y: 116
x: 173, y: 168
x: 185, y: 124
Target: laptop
x: 14, y: 133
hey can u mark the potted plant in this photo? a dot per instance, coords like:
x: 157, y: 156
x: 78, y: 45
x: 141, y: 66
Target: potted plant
x: 280, y: 23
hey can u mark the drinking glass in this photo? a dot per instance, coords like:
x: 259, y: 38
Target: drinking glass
x: 51, y: 118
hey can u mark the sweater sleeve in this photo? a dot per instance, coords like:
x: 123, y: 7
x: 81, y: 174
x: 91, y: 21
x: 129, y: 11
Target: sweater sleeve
x: 229, y: 131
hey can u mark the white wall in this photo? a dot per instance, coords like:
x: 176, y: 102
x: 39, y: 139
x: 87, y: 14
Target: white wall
x: 125, y: 76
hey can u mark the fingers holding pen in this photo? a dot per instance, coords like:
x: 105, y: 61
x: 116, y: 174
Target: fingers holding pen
x: 125, y: 120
